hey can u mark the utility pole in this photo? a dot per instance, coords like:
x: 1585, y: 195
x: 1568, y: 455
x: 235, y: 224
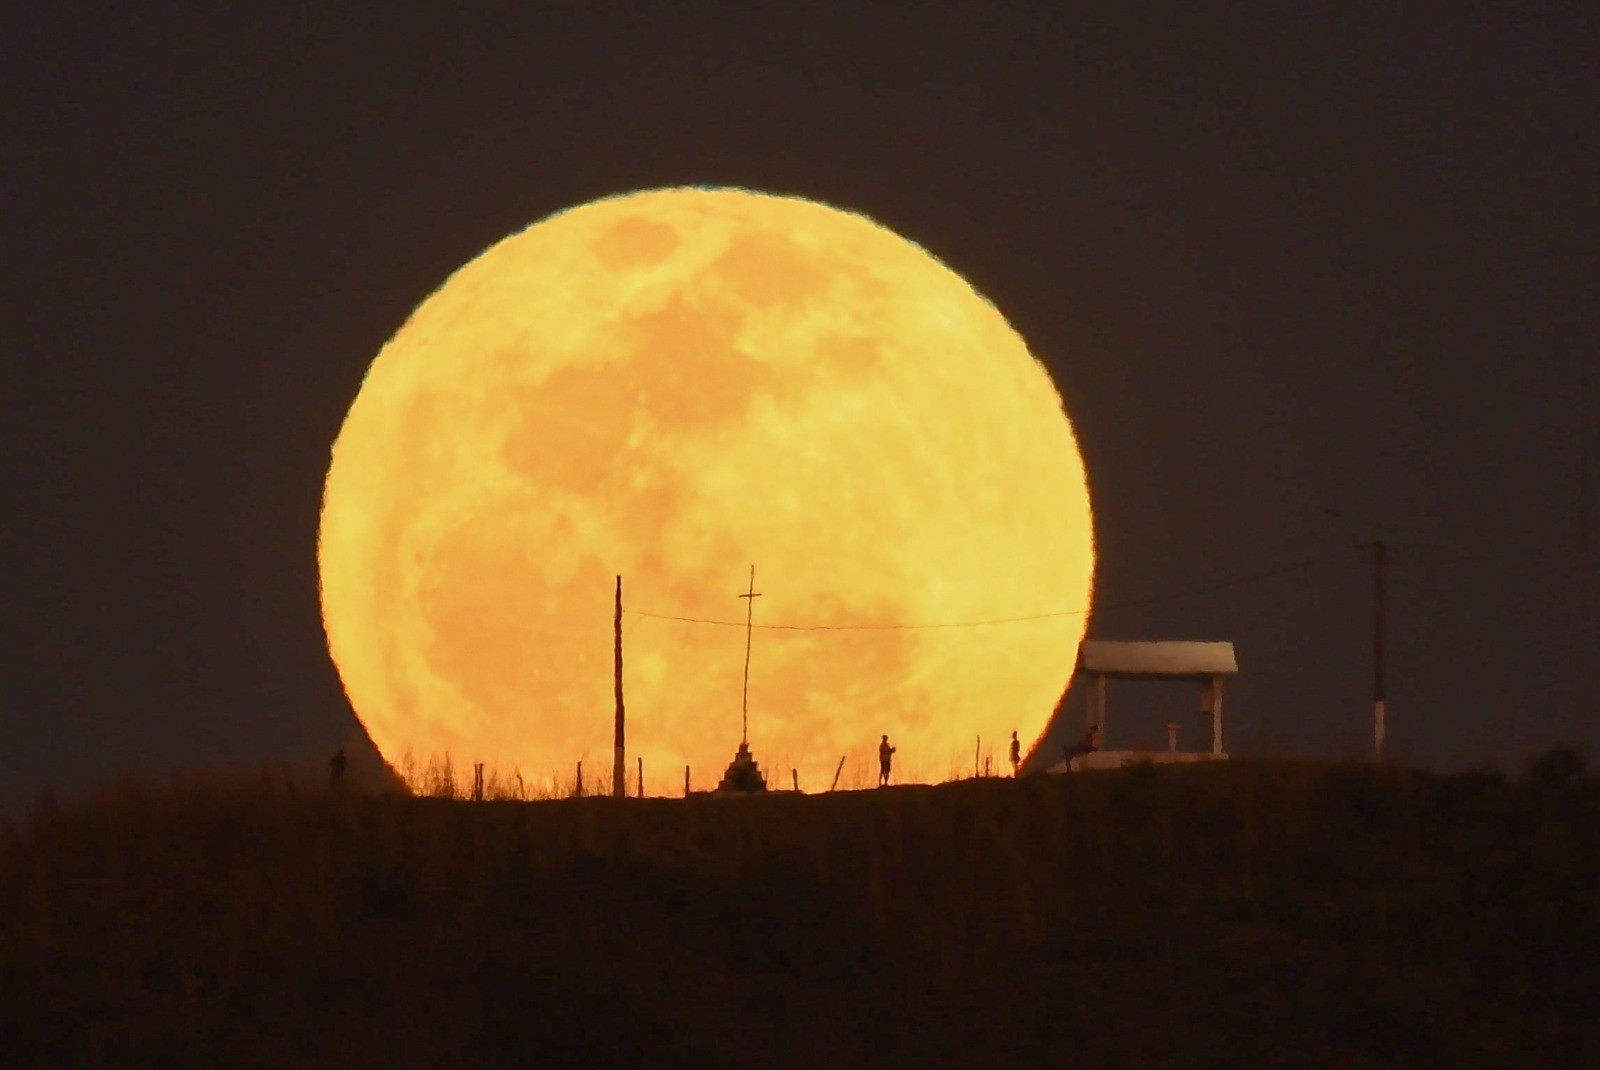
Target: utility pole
x: 1587, y: 619
x: 1380, y: 562
x: 619, y: 764
x: 750, y: 597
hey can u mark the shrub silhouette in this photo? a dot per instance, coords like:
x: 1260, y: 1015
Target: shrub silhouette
x: 1557, y: 768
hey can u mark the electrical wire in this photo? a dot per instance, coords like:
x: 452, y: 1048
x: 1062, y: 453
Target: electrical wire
x: 1238, y: 581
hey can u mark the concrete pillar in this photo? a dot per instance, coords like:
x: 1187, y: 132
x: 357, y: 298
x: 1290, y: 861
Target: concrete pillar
x: 1097, y: 714
x: 1216, y: 716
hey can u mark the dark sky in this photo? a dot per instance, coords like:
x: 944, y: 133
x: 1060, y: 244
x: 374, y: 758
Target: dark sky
x: 1305, y: 279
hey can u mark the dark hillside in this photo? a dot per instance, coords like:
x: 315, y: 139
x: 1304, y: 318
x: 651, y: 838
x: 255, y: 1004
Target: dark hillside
x: 1246, y: 914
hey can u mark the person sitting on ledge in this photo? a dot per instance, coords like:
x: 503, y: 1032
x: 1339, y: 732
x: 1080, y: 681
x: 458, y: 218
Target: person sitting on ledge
x: 1087, y: 745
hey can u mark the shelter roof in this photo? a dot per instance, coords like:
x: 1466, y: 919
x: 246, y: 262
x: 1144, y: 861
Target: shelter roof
x: 1157, y: 660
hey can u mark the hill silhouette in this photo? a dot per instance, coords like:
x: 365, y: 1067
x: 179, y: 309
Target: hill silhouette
x: 1228, y: 914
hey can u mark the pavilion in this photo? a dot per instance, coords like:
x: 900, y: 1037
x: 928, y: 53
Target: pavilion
x: 1207, y: 664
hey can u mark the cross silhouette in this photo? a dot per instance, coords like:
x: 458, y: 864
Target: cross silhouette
x: 750, y: 597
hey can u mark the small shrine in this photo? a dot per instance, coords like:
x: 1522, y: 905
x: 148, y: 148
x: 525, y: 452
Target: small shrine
x: 743, y: 774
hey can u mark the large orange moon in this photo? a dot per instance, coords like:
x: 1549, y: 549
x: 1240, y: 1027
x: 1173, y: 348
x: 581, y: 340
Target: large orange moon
x: 672, y: 386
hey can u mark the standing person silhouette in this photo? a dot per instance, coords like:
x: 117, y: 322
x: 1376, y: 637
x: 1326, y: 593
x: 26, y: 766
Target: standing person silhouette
x: 885, y: 759
x: 1016, y: 752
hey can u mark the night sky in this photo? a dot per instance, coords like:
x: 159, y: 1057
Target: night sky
x: 1304, y: 280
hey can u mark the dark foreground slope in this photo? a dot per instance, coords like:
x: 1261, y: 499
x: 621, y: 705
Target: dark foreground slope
x: 1240, y: 915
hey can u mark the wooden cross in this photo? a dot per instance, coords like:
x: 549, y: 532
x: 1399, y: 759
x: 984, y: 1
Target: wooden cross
x: 750, y: 597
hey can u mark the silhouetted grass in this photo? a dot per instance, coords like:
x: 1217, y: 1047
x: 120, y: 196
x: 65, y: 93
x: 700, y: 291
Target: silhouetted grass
x: 1256, y: 914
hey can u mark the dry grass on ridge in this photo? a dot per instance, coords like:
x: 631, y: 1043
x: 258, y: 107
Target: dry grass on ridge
x: 1273, y: 914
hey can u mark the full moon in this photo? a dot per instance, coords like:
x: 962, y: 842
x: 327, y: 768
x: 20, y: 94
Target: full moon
x: 674, y: 386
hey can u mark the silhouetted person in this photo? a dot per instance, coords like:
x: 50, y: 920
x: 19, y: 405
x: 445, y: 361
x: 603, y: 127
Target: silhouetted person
x: 1016, y: 752
x: 885, y: 760
x: 1087, y: 745
x: 336, y: 766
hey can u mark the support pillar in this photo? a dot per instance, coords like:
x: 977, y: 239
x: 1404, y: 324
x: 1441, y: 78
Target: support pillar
x: 1216, y: 717
x: 1097, y: 709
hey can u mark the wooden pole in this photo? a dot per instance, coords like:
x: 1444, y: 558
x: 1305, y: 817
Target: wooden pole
x: 580, y: 780
x: 794, y: 777
x: 619, y: 787
x: 686, y: 782
x: 641, y: 777
x: 1380, y: 712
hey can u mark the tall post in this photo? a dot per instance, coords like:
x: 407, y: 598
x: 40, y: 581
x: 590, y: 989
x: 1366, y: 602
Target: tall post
x: 750, y: 597
x: 1380, y: 562
x: 1587, y: 619
x: 619, y: 766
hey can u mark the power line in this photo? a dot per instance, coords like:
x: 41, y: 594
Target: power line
x: 1238, y: 581
x: 858, y: 627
